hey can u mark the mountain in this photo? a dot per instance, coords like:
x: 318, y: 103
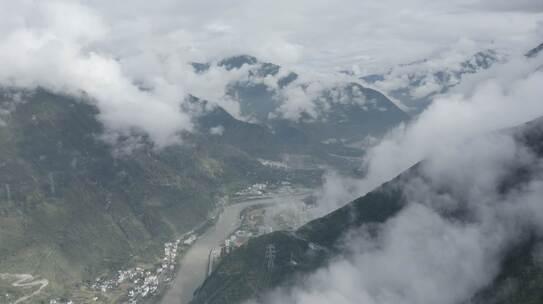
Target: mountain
x: 245, y: 274
x: 74, y: 207
x: 535, y: 51
x: 255, y: 139
x: 415, y: 84
x: 349, y: 113
x: 273, y: 96
x: 287, y: 143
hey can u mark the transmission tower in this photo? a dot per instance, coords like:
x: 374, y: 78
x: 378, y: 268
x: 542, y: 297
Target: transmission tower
x: 8, y: 193
x: 270, y: 256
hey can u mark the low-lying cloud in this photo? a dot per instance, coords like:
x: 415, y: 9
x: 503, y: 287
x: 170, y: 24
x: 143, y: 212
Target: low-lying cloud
x: 426, y: 253
x: 504, y: 96
x: 44, y: 45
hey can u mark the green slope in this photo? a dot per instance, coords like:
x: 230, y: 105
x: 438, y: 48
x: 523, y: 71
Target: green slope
x: 70, y: 211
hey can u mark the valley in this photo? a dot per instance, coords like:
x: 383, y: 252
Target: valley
x: 194, y: 265
x: 76, y: 211
x: 254, y: 152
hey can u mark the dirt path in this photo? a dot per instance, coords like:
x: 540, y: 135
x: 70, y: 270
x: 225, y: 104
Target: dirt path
x: 25, y: 281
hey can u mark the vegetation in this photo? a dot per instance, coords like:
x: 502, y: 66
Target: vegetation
x: 243, y: 274
x: 74, y: 207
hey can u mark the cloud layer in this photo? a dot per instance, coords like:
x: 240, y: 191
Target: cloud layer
x: 45, y: 44
x: 424, y: 254
x: 131, y: 56
x: 321, y: 33
x: 130, y: 59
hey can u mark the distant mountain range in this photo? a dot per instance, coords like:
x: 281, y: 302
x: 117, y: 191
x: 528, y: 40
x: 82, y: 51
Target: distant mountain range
x: 345, y: 112
x: 415, y: 84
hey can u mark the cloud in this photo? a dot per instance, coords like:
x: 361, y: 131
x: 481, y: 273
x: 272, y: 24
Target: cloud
x: 99, y: 46
x: 335, y: 191
x: 297, y: 99
x: 285, y: 32
x: 218, y: 130
x: 443, y: 69
x: 416, y: 256
x: 50, y: 51
x: 130, y: 59
x: 504, y: 96
x: 529, y: 6
x: 111, y: 50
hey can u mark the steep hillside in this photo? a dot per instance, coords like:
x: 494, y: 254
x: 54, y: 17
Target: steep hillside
x: 74, y: 207
x: 246, y: 273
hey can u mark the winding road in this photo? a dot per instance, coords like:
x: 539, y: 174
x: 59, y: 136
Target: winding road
x: 25, y: 281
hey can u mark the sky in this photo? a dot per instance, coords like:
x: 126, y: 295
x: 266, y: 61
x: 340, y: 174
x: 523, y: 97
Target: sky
x: 106, y: 48
x: 321, y: 34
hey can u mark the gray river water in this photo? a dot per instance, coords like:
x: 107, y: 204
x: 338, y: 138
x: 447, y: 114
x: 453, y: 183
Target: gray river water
x: 192, y: 267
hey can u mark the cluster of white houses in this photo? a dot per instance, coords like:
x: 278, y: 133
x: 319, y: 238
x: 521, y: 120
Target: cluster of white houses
x: 141, y: 283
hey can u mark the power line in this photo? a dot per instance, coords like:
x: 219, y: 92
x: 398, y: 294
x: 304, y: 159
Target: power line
x: 270, y: 256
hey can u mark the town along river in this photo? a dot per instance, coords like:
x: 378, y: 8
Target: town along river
x: 192, y: 268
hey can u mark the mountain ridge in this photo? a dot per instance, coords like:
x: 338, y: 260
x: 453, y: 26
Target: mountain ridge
x: 74, y: 209
x: 345, y: 109
x: 315, y: 244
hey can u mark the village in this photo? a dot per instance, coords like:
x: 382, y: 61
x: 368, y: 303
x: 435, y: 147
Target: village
x: 260, y: 219
x: 138, y: 283
x: 143, y: 284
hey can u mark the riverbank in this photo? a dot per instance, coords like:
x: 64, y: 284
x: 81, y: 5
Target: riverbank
x: 191, y: 271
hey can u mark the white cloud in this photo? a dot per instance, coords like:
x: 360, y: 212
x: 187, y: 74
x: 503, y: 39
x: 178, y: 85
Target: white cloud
x: 421, y: 252
x: 314, y: 34
x: 504, y: 96
x: 104, y: 47
x: 298, y: 100
x: 50, y: 51
x: 218, y: 130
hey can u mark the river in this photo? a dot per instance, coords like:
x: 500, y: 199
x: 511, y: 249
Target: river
x: 191, y: 271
